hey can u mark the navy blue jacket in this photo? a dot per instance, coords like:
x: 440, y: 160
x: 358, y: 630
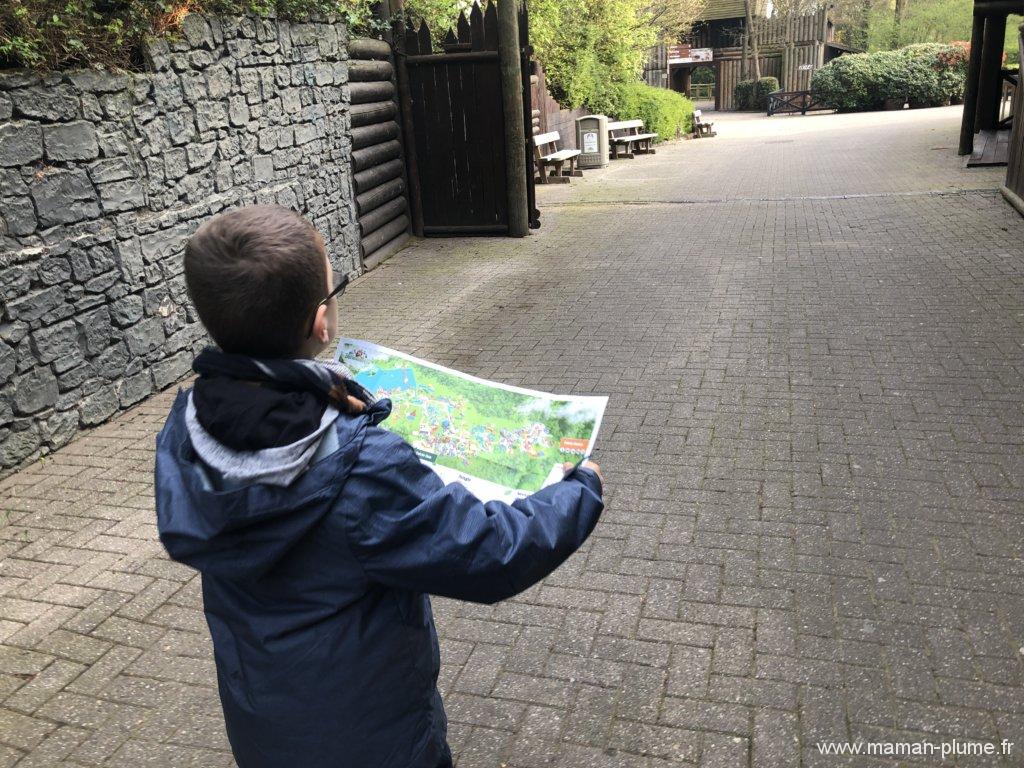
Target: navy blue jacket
x: 316, y: 593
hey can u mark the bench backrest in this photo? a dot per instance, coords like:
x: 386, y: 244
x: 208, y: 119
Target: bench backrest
x: 626, y: 126
x: 543, y: 139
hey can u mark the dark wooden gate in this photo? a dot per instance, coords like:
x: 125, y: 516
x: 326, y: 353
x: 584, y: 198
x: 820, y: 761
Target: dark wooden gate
x: 457, y: 124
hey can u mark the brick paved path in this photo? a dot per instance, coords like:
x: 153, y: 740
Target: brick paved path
x: 813, y: 447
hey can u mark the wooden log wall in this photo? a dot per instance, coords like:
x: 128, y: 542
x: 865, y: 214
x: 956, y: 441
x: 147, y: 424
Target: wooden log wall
x: 781, y: 62
x: 1014, y: 189
x: 378, y: 164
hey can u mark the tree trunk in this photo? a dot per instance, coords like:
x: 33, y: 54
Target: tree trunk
x: 752, y: 36
x: 901, y: 8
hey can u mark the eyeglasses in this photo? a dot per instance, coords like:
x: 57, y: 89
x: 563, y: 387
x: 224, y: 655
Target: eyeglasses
x: 340, y: 281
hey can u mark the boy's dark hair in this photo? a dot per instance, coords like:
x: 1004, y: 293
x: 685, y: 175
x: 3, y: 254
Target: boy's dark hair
x: 255, y: 275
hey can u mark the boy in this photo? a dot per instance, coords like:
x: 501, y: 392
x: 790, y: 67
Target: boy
x: 318, y: 533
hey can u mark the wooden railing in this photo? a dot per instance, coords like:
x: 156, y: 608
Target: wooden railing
x: 1010, y: 78
x: 702, y: 91
x: 791, y: 102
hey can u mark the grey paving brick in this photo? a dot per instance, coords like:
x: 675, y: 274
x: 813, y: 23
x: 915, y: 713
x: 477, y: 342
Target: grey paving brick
x: 812, y: 342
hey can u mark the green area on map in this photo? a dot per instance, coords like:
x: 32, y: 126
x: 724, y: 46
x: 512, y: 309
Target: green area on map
x: 506, y: 437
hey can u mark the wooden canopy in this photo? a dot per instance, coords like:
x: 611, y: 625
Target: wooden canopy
x: 984, y: 73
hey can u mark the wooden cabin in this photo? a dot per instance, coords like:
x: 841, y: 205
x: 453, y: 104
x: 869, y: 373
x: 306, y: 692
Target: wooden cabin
x: 790, y: 48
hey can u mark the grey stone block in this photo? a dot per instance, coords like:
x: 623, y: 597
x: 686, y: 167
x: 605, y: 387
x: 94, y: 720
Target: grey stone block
x: 11, y: 183
x: 71, y: 141
x: 129, y: 258
x: 77, y: 376
x: 18, y: 216
x: 134, y: 388
x: 124, y: 195
x: 112, y: 362
x: 60, y: 428
x: 98, y: 81
x: 35, y: 391
x: 54, y: 270
x: 6, y: 411
x: 197, y: 31
x: 6, y: 107
x: 21, y: 142
x: 111, y: 169
x: 211, y: 114
x: 145, y: 336
x: 96, y: 330
x: 19, y: 445
x: 58, y: 344
x: 112, y: 143
x: 98, y: 407
x: 126, y: 310
x: 238, y: 111
x: 54, y: 103
x: 34, y: 305
x: 8, y: 362
x: 64, y: 196
x: 12, y: 333
x: 171, y: 369
x: 181, y: 126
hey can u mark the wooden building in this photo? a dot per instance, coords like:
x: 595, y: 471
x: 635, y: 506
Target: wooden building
x: 984, y: 131
x: 1013, y: 190
x: 790, y: 48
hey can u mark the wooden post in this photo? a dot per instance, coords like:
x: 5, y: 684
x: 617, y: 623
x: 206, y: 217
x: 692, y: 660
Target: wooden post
x: 990, y: 84
x: 408, y: 134
x: 967, y: 124
x: 512, y: 101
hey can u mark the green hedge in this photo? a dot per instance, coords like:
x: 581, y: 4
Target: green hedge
x: 753, y: 94
x: 664, y: 112
x: 55, y: 34
x: 924, y: 75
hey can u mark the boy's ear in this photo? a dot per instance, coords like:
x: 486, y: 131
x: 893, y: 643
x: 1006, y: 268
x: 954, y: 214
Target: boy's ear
x: 320, y: 330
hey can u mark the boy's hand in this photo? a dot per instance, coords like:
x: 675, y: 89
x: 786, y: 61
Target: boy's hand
x: 586, y: 465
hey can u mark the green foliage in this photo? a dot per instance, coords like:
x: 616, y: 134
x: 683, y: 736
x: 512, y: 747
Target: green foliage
x: 753, y: 94
x: 588, y: 47
x: 664, y: 112
x: 51, y: 34
x: 923, y: 21
x: 925, y: 75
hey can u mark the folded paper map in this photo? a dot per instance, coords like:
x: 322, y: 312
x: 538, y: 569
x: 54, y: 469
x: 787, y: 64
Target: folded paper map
x: 501, y: 442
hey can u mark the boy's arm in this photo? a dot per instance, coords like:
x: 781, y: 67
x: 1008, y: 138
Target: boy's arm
x: 410, y: 531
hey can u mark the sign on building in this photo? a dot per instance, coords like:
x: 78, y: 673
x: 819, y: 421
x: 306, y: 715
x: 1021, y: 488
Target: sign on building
x: 684, y: 54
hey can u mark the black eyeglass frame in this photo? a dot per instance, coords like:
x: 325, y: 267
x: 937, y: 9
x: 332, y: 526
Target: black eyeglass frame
x: 339, y: 289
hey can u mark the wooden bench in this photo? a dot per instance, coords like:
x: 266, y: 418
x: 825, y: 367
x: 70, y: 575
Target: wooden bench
x: 702, y: 129
x: 627, y: 135
x: 549, y: 155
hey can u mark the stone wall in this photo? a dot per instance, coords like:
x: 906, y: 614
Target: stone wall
x: 102, y: 178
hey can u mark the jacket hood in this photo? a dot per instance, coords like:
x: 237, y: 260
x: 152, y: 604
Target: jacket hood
x: 238, y: 529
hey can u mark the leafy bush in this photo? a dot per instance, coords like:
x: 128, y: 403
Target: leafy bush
x: 51, y: 34
x: 664, y: 112
x: 924, y: 74
x: 753, y: 94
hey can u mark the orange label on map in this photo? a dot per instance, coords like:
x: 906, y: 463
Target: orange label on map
x: 574, y: 444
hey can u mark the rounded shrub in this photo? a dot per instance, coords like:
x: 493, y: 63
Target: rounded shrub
x: 664, y: 112
x: 923, y: 75
x: 753, y: 94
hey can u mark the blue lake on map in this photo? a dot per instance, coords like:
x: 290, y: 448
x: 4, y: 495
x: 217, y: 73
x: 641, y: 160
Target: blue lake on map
x: 393, y: 380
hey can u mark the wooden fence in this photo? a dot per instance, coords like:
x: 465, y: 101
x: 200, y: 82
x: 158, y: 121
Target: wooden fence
x: 1014, y: 188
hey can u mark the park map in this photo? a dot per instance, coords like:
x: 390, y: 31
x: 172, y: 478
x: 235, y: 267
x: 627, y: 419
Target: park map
x: 501, y: 442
